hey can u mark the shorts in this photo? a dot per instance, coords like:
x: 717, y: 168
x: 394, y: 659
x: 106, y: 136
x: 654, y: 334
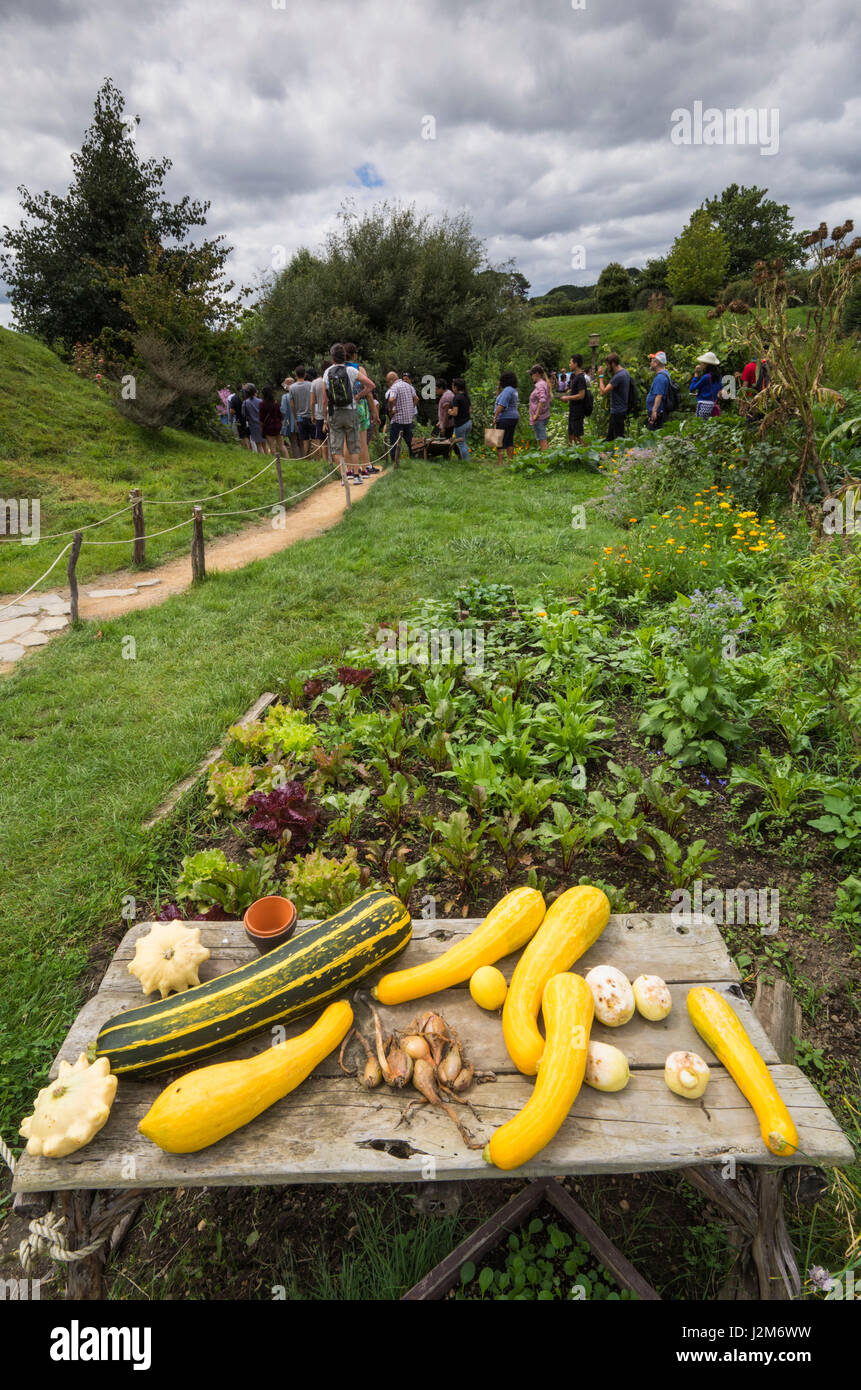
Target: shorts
x: 364, y: 412
x: 304, y: 427
x: 344, y: 430
x: 508, y: 428
x: 318, y: 429
x: 539, y: 429
x: 575, y: 425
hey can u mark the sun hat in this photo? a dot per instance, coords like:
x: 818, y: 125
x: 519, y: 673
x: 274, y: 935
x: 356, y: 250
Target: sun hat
x: 658, y: 357
x: 709, y: 358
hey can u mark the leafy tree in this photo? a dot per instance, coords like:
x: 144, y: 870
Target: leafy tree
x: 613, y: 291
x: 697, y: 263
x: 54, y: 261
x: 651, y: 280
x: 756, y: 228
x: 386, y: 273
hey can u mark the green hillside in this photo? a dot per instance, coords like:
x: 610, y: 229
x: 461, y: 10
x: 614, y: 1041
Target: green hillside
x: 61, y: 440
x: 621, y: 332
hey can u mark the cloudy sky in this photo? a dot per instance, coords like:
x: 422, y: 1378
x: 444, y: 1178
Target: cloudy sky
x: 551, y: 121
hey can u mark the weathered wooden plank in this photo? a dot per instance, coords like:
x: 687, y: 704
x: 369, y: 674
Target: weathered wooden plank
x: 330, y: 1130
x: 636, y: 944
x: 644, y: 1044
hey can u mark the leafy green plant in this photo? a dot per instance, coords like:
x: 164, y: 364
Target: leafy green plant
x: 842, y: 817
x: 542, y: 1263
x: 321, y: 886
x: 458, y: 848
x: 404, y: 877
x: 349, y: 808
x: 229, y: 786
x: 787, y: 788
x: 569, y: 727
x: 207, y: 879
x: 398, y: 795
x: 288, y: 729
x: 694, y: 715
x: 482, y: 600
x: 682, y: 866
x: 622, y: 820
x: 512, y: 838
x: 565, y: 836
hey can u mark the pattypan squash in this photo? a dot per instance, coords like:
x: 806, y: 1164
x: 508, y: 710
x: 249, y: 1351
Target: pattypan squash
x: 71, y: 1110
x: 167, y: 958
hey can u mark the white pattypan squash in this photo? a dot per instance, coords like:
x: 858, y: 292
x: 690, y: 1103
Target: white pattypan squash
x: 167, y: 958
x: 70, y: 1111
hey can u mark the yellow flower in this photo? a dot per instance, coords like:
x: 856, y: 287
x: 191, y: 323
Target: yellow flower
x: 541, y: 613
x: 670, y: 540
x: 725, y: 506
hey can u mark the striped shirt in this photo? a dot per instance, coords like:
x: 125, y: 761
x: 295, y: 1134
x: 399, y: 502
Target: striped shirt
x: 401, y: 397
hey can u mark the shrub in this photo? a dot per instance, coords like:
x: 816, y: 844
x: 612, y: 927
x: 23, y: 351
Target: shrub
x: 651, y: 483
x: 666, y: 327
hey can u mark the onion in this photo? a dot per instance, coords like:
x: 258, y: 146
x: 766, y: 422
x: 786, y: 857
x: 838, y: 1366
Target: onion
x: 415, y: 1046
x: 614, y: 998
x: 451, y: 1065
x: 652, y: 997
x: 686, y: 1074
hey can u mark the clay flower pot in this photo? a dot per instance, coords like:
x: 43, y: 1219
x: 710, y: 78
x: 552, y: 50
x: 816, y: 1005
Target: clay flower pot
x: 269, y: 922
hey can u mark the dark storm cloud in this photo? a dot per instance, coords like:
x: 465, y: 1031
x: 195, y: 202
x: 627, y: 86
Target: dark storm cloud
x: 551, y: 124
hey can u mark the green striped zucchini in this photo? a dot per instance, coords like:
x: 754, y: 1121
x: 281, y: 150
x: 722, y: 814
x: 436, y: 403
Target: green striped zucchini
x: 302, y: 975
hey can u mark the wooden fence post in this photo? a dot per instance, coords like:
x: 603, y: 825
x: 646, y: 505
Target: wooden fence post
x: 345, y: 479
x: 73, y: 578
x: 198, y: 559
x: 139, y: 551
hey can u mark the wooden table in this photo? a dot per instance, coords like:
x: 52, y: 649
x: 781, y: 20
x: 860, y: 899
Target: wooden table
x: 330, y: 1130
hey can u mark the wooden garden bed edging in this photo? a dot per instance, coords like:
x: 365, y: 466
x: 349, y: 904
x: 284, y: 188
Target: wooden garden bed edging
x: 187, y: 783
x: 509, y: 1218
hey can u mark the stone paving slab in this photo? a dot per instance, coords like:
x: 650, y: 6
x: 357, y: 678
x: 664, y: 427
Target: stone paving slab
x: 112, y: 593
x: 34, y: 638
x: 11, y: 651
x: 52, y: 623
x: 10, y: 628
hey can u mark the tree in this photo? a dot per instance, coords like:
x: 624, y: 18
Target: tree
x: 613, y: 291
x: 756, y: 228
x: 797, y: 357
x: 697, y: 263
x: 651, y: 280
x: 54, y: 262
x: 386, y: 276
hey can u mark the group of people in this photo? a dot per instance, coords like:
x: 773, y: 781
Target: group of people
x: 333, y: 411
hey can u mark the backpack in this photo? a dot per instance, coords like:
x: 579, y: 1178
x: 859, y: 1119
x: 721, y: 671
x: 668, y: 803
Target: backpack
x: 588, y: 402
x: 339, y: 388
x: 674, y: 397
x: 633, y: 395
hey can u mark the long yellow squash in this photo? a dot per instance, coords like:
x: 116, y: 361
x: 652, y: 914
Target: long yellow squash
x: 573, y: 923
x: 568, y: 1009
x: 506, y: 928
x: 720, y: 1026
x: 205, y: 1105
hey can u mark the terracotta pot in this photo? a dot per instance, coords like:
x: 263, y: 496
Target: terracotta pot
x: 270, y: 922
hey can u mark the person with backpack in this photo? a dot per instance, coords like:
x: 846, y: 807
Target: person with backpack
x: 579, y: 399
x: 706, y: 383
x: 339, y: 382
x: 663, y: 395
x: 620, y: 388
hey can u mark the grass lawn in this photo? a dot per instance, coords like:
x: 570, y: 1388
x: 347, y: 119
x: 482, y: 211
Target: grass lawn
x: 90, y: 743
x: 63, y: 442
x: 622, y: 332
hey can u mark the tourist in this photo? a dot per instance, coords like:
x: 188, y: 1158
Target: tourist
x: 223, y: 404
x: 339, y: 382
x: 539, y: 405
x: 288, y: 429
x: 251, y: 415
x: 407, y: 377
x: 271, y: 423
x: 318, y: 413
x: 445, y: 419
x: 618, y: 388
x: 506, y: 415
x: 706, y: 384
x: 237, y: 419
x: 576, y: 398
x: 656, y: 399
x: 363, y: 409
x: 460, y: 413
x: 300, y: 400
x: 402, y: 402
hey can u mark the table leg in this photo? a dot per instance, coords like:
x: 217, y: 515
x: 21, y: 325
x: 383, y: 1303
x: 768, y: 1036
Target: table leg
x: 91, y: 1216
x: 753, y: 1201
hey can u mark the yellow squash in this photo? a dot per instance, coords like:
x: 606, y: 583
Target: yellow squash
x: 720, y: 1026
x: 506, y: 928
x: 573, y: 923
x: 568, y: 1009
x: 205, y: 1105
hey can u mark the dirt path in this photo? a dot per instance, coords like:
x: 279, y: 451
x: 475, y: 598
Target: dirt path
x: 320, y: 511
